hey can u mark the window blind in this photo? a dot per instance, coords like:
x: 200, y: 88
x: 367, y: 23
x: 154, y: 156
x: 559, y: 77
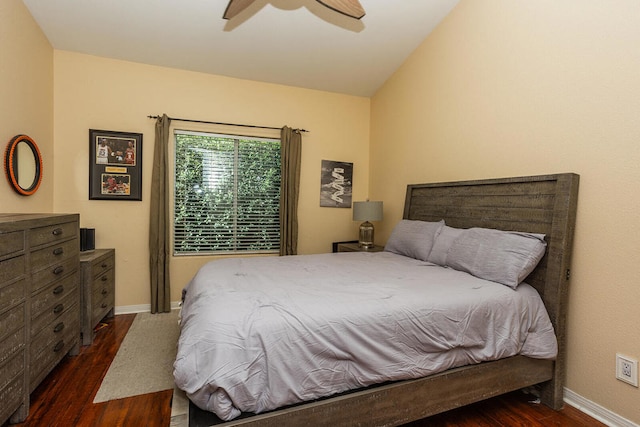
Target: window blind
x: 227, y: 194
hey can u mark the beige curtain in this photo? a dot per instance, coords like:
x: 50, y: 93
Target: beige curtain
x: 291, y: 149
x: 159, y: 221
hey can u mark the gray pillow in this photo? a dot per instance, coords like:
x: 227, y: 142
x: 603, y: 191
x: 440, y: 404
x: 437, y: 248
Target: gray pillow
x: 443, y: 243
x: 505, y: 257
x: 413, y: 238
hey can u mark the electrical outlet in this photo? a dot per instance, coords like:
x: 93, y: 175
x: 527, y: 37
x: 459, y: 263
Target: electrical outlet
x: 627, y: 369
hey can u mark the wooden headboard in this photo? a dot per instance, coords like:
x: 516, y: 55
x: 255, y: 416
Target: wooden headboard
x: 539, y: 204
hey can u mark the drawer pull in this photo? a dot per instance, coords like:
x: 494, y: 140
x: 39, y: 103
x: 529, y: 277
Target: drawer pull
x: 104, y: 278
x: 59, y: 346
x: 59, y: 269
x: 104, y: 305
x: 58, y: 308
x: 57, y: 232
x: 58, y: 290
x: 104, y: 292
x: 104, y: 265
x: 59, y: 327
x: 58, y: 251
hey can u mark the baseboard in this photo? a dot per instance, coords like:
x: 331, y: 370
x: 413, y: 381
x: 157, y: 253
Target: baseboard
x: 596, y: 411
x: 141, y: 308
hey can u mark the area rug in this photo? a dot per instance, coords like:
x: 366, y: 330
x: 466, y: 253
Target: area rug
x: 144, y: 362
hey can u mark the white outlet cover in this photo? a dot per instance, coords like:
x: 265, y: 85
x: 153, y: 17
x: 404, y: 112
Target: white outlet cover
x: 627, y: 369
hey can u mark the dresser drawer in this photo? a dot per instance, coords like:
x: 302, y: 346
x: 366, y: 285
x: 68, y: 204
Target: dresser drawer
x: 53, y: 233
x: 103, y: 302
x: 52, y: 307
x: 42, y: 278
x: 11, y: 369
x: 11, y: 242
x: 104, y: 281
x: 11, y: 344
x: 11, y: 397
x: 54, y: 294
x: 55, y: 331
x: 102, y: 264
x: 10, y: 321
x: 12, y: 294
x: 50, y: 345
x: 12, y: 268
x: 55, y: 254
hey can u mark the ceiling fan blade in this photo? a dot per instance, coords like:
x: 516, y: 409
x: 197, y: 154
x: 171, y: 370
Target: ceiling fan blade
x: 235, y: 7
x: 351, y: 8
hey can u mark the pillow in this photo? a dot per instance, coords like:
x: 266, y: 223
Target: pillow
x: 413, y: 238
x: 442, y: 244
x: 505, y: 257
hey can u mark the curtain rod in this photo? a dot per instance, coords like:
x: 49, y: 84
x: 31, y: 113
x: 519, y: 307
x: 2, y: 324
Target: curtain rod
x: 227, y: 124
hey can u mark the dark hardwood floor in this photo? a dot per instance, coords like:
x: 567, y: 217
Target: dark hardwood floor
x: 65, y: 398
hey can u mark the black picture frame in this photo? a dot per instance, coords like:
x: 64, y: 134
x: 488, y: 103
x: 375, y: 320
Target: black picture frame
x: 336, y: 182
x: 115, y: 165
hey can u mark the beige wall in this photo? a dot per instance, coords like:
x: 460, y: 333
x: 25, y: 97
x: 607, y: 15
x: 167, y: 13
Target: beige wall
x: 509, y: 88
x: 501, y: 88
x: 26, y: 99
x: 98, y: 93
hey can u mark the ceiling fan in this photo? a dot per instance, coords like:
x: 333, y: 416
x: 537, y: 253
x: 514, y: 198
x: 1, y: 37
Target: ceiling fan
x: 351, y: 8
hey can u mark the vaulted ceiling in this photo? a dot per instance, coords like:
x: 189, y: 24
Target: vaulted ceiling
x: 291, y: 42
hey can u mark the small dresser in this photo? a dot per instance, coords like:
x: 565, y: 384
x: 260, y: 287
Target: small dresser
x: 98, y: 272
x: 39, y: 303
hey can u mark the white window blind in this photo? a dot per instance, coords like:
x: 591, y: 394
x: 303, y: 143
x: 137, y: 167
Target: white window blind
x: 227, y: 194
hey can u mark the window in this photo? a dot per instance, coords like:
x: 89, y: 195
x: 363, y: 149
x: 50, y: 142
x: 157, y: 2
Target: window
x: 227, y: 194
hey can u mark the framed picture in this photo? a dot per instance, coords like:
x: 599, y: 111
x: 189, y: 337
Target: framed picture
x: 115, y: 165
x: 336, y: 184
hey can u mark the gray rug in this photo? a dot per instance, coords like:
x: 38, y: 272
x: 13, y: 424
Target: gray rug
x: 144, y: 362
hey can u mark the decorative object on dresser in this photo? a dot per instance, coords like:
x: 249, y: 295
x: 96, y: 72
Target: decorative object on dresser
x: 98, y: 272
x: 39, y: 303
x: 355, y: 247
x: 87, y: 239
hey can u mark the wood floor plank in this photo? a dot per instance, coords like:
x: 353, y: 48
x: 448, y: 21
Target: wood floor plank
x: 65, y: 398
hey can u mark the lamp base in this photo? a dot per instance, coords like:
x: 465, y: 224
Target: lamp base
x: 365, y: 238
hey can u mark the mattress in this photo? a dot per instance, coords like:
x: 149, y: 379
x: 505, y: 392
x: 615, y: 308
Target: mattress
x: 262, y: 333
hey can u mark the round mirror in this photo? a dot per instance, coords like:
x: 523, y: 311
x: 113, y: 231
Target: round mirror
x: 23, y: 165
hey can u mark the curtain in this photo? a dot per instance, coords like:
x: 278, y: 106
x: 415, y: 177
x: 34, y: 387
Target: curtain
x: 291, y: 148
x: 159, y: 221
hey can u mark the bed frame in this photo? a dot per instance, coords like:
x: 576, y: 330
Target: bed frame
x: 540, y: 204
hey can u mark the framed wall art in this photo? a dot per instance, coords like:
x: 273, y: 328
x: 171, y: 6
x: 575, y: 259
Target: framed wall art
x: 336, y: 184
x: 115, y: 165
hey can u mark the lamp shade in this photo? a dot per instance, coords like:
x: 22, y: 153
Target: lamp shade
x: 367, y: 211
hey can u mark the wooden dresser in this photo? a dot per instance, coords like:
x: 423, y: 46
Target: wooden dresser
x: 39, y: 303
x: 98, y: 272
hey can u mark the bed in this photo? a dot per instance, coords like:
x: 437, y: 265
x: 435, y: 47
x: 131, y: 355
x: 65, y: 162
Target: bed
x: 538, y: 205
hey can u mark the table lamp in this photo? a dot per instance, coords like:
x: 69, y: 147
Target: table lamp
x: 366, y: 211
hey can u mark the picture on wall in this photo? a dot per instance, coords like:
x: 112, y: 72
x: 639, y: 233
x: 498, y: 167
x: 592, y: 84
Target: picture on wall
x: 115, y: 165
x: 336, y: 184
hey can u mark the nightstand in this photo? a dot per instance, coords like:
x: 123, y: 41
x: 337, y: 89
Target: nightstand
x: 353, y: 247
x: 97, y: 280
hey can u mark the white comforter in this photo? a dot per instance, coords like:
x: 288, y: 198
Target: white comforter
x: 260, y: 333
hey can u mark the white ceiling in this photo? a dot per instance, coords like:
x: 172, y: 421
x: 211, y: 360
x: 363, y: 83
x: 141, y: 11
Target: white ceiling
x: 291, y: 42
